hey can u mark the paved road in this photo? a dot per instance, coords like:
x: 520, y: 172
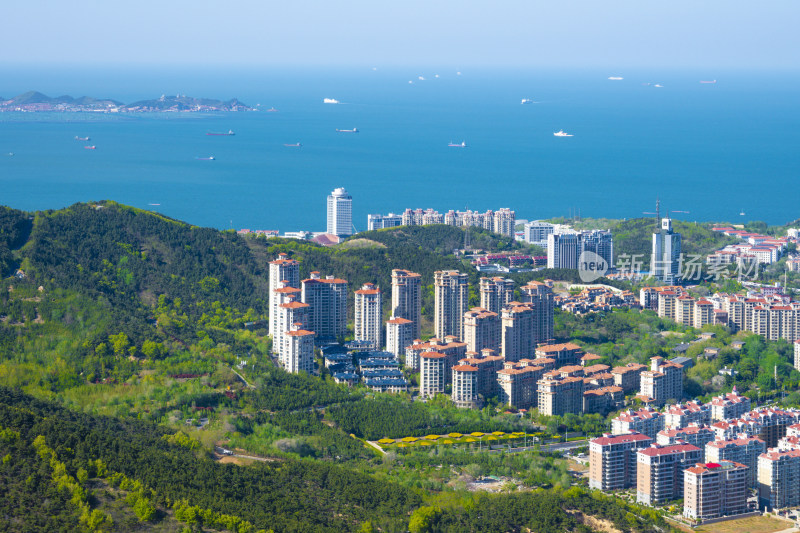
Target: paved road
x: 249, y: 386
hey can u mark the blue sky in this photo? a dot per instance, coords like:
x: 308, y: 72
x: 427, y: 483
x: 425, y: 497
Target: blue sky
x: 513, y: 33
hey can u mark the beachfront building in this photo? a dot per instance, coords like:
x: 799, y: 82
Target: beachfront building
x: 407, y: 298
x: 340, y: 213
x: 367, y: 316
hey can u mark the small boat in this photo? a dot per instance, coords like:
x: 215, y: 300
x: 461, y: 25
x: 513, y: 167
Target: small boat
x: 230, y: 132
x: 526, y: 101
x: 92, y: 147
x: 462, y: 144
x: 708, y: 81
x: 562, y: 133
x: 209, y: 158
x: 741, y: 214
x: 295, y: 145
x: 657, y: 85
x: 354, y: 130
x: 81, y: 138
x: 272, y: 110
x: 615, y: 78
x: 153, y: 204
x: 330, y: 101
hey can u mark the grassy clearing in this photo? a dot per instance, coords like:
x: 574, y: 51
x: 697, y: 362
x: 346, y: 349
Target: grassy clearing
x: 753, y: 524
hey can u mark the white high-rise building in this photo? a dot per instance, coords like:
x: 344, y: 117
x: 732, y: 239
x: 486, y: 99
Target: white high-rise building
x: 399, y: 335
x: 300, y: 350
x: 367, y: 323
x: 340, y: 213
x: 665, y: 260
x: 283, y: 273
x: 564, y: 249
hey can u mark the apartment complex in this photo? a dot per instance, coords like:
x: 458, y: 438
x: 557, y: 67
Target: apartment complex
x: 561, y: 391
x: 694, y: 434
x: 539, y: 296
x: 299, y: 352
x: 564, y: 249
x: 327, y: 300
x: 646, y: 421
x: 612, y: 460
x: 728, y: 406
x: 367, y: 324
x: 451, y: 300
x: 449, y: 346
x: 659, y: 472
x: 501, y: 221
x: 712, y: 489
x: 283, y: 272
x: 407, y: 298
x: 681, y: 415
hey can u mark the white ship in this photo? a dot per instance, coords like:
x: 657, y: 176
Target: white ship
x: 526, y: 101
x: 330, y: 101
x: 562, y: 133
x: 462, y: 144
x: 615, y: 77
x: 354, y: 130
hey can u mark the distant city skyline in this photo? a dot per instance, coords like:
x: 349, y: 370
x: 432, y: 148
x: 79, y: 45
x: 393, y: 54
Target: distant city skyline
x: 516, y: 33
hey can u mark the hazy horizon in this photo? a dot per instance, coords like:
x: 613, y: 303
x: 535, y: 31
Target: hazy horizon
x: 520, y: 34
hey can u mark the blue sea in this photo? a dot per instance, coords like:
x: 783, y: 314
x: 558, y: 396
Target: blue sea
x: 714, y: 150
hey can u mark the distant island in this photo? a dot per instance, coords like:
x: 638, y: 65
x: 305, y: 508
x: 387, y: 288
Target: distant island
x: 33, y: 101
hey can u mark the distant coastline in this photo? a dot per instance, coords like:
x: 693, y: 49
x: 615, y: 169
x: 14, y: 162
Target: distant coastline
x: 36, y: 102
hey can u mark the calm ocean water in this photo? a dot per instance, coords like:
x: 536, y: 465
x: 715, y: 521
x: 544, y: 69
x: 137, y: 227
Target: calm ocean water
x: 711, y: 149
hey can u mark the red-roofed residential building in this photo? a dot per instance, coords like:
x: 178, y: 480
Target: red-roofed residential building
x: 659, y: 472
x: 299, y: 354
x: 681, y: 415
x: 368, y: 313
x: 603, y: 400
x: 647, y: 421
x: 481, y: 330
x: 399, y: 335
x: 728, y: 406
x: 629, y: 376
x: 465, y: 387
x: 711, y: 490
x: 449, y: 346
x: 664, y: 381
x: 328, y: 300
x: 612, y: 460
x: 564, y: 354
x: 695, y: 434
x: 283, y: 272
x: 778, y: 475
x: 745, y: 450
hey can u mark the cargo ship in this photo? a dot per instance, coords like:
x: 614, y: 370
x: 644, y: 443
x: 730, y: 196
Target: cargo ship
x: 230, y: 132
x: 462, y: 144
x: 354, y: 130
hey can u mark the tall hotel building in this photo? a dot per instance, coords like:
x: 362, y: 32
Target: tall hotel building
x: 340, y: 213
x: 451, y: 300
x: 327, y: 299
x: 496, y: 293
x: 283, y: 272
x: 367, y: 323
x: 407, y: 298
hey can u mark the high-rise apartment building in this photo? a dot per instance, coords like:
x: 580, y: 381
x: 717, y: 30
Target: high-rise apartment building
x: 435, y: 373
x: 647, y: 421
x: 327, y: 299
x: 504, y: 222
x: 778, y: 476
x: 666, y: 253
x: 283, y: 272
x: 451, y: 301
x: 299, y: 354
x: 564, y: 249
x: 745, y: 450
x: 496, y: 293
x: 540, y: 297
x: 561, y: 391
x: 481, y: 330
x: 340, y: 213
x: 536, y: 232
x: 291, y: 314
x: 516, y: 332
x: 399, y: 335
x: 729, y: 406
x: 368, y: 316
x: 664, y: 381
x: 407, y: 298
x: 465, y: 387
x: 612, y: 460
x: 711, y: 490
x: 659, y: 472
